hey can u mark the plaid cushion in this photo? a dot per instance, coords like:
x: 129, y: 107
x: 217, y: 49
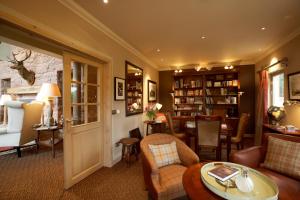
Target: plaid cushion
x: 283, y: 156
x: 165, y: 154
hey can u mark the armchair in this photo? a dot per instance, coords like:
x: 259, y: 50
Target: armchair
x: 165, y: 182
x: 21, y: 117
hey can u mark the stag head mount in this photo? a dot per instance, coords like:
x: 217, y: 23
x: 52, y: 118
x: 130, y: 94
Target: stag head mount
x: 18, y: 65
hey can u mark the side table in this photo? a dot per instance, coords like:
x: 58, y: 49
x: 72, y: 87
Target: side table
x: 50, y: 143
x: 129, y: 148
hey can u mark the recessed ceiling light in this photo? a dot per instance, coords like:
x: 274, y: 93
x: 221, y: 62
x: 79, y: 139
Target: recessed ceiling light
x: 158, y: 50
x: 263, y: 28
x: 203, y: 37
x: 162, y: 60
x: 105, y: 1
x: 259, y: 49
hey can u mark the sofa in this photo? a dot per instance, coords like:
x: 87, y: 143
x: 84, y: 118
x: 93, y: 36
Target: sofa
x: 289, y: 186
x: 165, y: 182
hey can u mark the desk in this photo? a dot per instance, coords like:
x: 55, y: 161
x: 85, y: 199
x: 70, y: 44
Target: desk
x: 157, y: 127
x: 276, y: 129
x: 50, y: 143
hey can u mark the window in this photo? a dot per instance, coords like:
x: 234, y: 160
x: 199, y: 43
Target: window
x: 277, y: 89
x: 5, y: 84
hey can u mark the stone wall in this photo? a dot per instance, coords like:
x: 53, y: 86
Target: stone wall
x: 45, y: 67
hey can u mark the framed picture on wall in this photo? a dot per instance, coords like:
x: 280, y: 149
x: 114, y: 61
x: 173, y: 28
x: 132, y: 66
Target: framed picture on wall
x: 152, y: 91
x: 294, y: 86
x: 119, y: 89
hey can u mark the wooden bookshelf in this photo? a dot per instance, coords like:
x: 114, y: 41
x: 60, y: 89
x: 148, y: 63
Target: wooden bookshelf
x: 206, y: 92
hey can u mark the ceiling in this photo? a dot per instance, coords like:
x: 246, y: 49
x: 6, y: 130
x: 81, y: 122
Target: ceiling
x: 232, y: 28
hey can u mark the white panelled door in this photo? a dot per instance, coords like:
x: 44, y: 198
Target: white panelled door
x: 83, y: 128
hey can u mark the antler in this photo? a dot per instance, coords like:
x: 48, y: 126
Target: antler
x: 19, y: 61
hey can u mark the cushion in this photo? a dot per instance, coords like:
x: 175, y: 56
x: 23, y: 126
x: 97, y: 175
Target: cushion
x: 171, y: 180
x: 283, y: 156
x: 165, y: 154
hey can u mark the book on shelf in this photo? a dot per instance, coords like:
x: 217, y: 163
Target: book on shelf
x: 217, y: 84
x: 208, y: 84
x: 181, y: 83
x: 193, y: 84
x: 198, y: 83
x: 235, y: 83
x: 223, y: 173
x: 208, y: 92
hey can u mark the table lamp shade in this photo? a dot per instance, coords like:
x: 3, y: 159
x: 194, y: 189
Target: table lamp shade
x: 4, y: 98
x: 48, y: 90
x: 158, y: 106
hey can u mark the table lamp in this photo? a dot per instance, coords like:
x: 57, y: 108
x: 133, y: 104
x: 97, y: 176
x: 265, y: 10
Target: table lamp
x: 47, y: 92
x: 4, y: 98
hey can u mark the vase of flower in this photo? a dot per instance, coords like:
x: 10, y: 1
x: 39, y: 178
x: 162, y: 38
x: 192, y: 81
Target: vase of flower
x: 151, y: 111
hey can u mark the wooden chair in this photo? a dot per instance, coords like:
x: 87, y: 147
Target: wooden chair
x: 208, y: 130
x: 241, y: 130
x: 181, y: 136
x: 136, y: 133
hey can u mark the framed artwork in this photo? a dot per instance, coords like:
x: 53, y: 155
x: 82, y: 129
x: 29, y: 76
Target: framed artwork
x: 152, y: 91
x: 294, y: 86
x: 119, y: 89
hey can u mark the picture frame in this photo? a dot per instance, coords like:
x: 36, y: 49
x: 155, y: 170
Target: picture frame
x: 119, y: 91
x: 152, y: 91
x: 294, y: 86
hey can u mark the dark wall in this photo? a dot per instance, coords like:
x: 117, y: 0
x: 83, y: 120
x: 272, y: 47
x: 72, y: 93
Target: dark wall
x: 247, y: 104
x: 247, y: 83
x: 165, y: 88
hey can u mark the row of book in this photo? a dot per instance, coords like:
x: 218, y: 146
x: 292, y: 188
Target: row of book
x: 182, y: 113
x: 181, y: 83
x: 227, y: 100
x: 223, y: 91
x: 221, y: 83
x: 188, y: 100
x: 188, y: 93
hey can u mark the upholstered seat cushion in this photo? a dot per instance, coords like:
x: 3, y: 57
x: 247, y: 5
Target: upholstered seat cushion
x: 289, y: 188
x: 171, y: 181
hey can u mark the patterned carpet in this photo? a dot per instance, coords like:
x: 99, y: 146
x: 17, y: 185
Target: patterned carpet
x: 39, y: 176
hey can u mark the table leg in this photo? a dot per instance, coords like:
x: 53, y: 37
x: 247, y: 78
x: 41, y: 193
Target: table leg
x: 53, y: 151
x: 147, y: 129
x: 228, y: 146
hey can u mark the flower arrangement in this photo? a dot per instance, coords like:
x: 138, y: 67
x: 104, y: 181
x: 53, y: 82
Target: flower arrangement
x: 151, y: 110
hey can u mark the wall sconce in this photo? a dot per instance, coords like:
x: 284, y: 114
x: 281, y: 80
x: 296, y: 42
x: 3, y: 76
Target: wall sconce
x: 228, y: 67
x: 198, y: 68
x: 178, y: 71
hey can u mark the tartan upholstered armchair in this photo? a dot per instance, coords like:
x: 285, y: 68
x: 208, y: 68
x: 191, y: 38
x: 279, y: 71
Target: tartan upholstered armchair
x: 165, y: 182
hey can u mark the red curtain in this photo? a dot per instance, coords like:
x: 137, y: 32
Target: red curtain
x: 262, y: 104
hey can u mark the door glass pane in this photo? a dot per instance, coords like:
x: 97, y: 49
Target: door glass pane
x: 77, y: 114
x: 92, y: 94
x: 77, y: 71
x: 92, y: 74
x: 92, y: 113
x: 77, y: 93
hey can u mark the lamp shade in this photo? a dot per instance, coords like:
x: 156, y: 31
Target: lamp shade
x: 158, y: 106
x: 4, y: 98
x: 48, y: 90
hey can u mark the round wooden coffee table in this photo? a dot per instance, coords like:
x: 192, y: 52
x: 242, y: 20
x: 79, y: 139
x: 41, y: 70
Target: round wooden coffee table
x: 198, y: 184
x: 193, y: 185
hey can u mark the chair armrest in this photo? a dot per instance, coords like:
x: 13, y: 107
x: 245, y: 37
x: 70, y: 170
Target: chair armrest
x: 3, y: 130
x: 250, y: 157
x: 187, y: 156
